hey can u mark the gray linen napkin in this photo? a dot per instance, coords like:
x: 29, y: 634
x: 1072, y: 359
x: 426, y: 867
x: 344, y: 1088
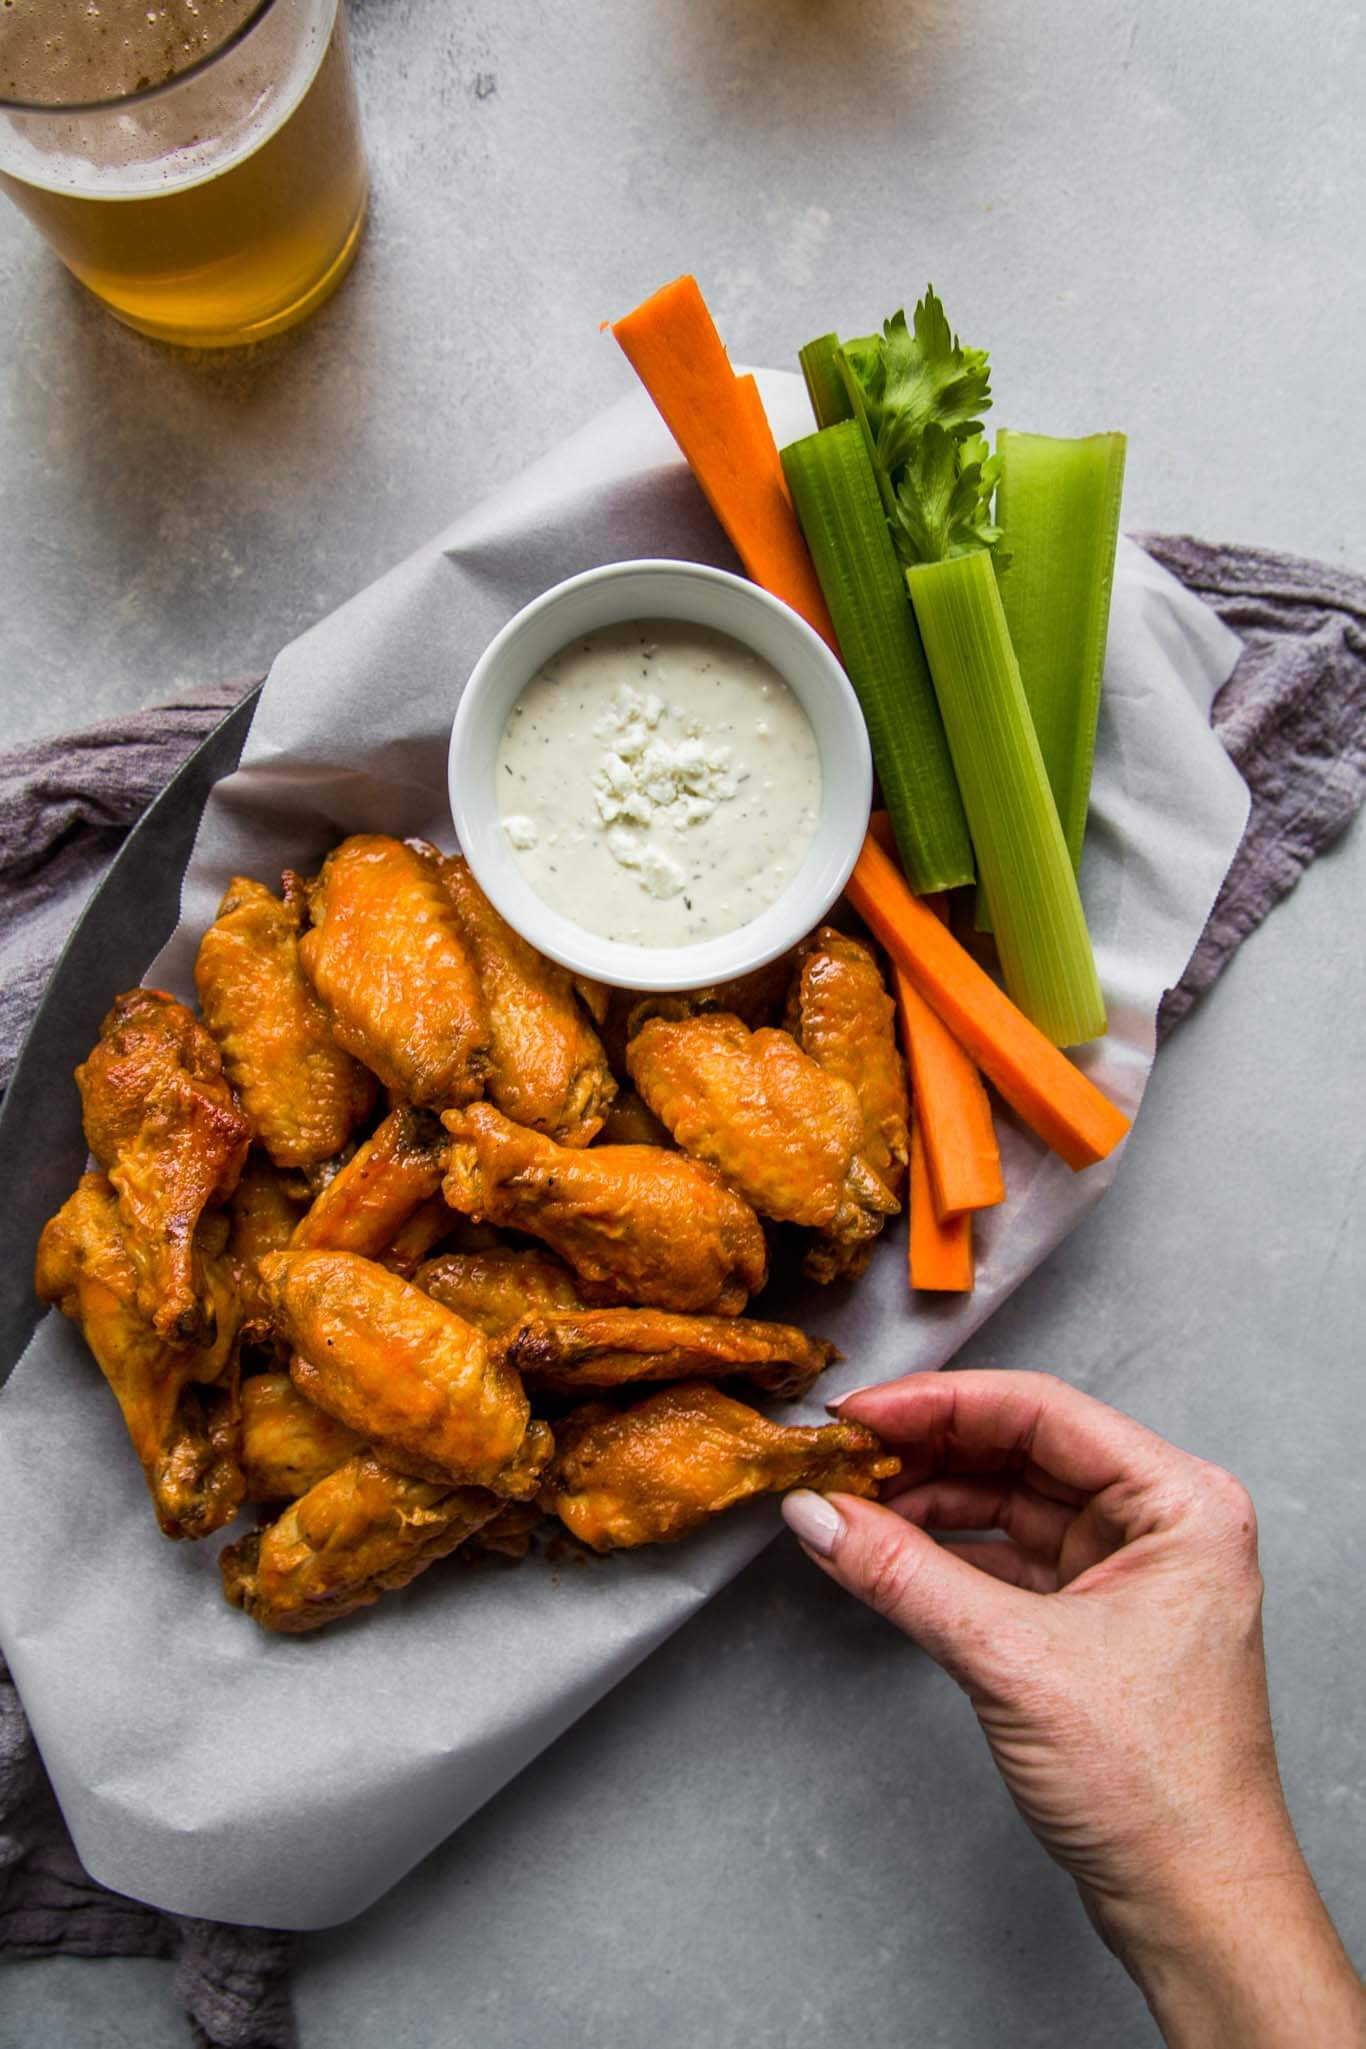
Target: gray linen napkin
x: 1293, y: 718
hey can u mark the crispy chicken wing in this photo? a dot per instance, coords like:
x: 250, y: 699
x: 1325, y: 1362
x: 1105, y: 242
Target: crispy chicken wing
x: 365, y: 1205
x: 263, y: 1212
x: 361, y: 1531
x: 565, y: 1351
x: 163, y: 1123
x: 783, y: 1132
x: 547, y: 1067
x: 387, y: 956
x: 302, y: 1093
x: 634, y: 1222
x: 288, y: 1444
x: 649, y: 1474
x: 412, y: 1378
x: 495, y: 1290
x: 180, y: 1405
x: 841, y: 1014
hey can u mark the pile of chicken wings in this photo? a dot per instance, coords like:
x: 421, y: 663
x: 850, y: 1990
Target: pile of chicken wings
x: 417, y: 1240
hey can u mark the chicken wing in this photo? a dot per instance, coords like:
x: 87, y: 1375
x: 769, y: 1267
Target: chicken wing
x: 495, y: 1290
x: 365, y: 1205
x: 359, y: 1532
x: 387, y: 957
x: 413, y: 1379
x: 841, y: 1014
x: 566, y: 1351
x: 635, y: 1223
x: 655, y: 1472
x: 302, y: 1093
x: 163, y: 1123
x: 843, y: 1017
x: 547, y: 1067
x: 756, y: 998
x: 180, y: 1406
x: 783, y: 1132
x: 288, y: 1444
x: 263, y: 1213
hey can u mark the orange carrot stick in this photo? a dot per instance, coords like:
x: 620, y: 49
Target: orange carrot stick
x: 1054, y: 1098
x: 940, y: 1247
x: 675, y: 350
x: 951, y: 1108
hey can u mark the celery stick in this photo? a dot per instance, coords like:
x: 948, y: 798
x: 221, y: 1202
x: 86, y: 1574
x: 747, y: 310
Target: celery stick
x: 824, y: 384
x: 837, y: 502
x: 1022, y: 854
x: 1057, y: 503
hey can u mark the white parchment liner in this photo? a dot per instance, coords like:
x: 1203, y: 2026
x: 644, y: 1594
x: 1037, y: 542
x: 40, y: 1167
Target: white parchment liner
x: 219, y: 1771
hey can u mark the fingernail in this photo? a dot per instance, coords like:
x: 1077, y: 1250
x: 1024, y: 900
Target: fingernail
x: 833, y: 1408
x: 815, y: 1520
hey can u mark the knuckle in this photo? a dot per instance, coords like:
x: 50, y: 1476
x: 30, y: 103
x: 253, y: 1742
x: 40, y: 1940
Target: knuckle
x: 887, y: 1571
x: 1230, y: 1516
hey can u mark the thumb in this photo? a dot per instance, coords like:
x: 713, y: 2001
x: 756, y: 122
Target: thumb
x: 956, y: 1613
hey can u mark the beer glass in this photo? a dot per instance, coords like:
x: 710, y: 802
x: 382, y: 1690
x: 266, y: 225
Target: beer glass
x: 209, y: 196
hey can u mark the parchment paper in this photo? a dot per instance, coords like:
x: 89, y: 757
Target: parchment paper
x: 215, y: 1770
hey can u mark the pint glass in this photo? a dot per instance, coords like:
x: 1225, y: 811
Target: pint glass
x: 207, y: 196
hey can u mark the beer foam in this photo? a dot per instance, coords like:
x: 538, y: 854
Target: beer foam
x: 58, y: 53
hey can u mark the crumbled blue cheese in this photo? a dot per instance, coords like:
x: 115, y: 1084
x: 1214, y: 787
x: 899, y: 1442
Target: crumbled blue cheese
x: 646, y: 781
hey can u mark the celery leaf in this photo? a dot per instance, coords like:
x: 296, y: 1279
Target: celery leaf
x: 921, y: 395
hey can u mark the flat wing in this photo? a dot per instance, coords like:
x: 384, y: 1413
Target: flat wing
x: 163, y: 1123
x: 567, y: 1352
x: 547, y: 1068
x: 387, y: 957
x: 302, y: 1093
x: 636, y: 1223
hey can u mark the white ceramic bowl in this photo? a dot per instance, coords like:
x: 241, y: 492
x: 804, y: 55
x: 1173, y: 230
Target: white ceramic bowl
x: 691, y: 592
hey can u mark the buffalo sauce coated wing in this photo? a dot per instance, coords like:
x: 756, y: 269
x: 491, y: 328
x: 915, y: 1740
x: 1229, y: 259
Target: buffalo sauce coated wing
x: 413, y: 1379
x: 842, y: 1016
x: 163, y: 1123
x: 179, y: 1405
x: 359, y: 1532
x: 566, y: 1350
x: 635, y: 1223
x: 368, y: 1201
x: 780, y: 1129
x: 494, y: 1290
x: 262, y: 1212
x: 547, y: 1067
x: 303, y: 1094
x: 387, y: 956
x: 655, y: 1472
x: 288, y: 1444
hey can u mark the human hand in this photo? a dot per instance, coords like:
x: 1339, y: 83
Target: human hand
x: 1128, y: 1711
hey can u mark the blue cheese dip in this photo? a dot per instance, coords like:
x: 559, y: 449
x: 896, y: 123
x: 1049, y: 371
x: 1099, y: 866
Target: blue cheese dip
x: 658, y: 783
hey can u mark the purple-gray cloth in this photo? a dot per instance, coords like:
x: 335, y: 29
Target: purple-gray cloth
x: 1293, y: 718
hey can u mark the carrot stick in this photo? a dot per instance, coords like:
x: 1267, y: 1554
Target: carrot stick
x: 1054, y: 1098
x: 951, y: 1108
x: 940, y: 1247
x: 672, y: 344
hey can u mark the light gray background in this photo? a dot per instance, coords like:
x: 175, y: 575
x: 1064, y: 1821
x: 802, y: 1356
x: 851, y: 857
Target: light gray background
x: 783, y: 1831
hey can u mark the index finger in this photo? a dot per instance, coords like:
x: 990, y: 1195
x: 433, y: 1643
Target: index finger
x: 983, y: 1421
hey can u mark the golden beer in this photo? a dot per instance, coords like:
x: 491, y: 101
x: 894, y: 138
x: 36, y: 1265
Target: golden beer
x: 214, y: 197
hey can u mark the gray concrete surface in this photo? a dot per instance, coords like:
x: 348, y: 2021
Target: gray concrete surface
x: 782, y: 1831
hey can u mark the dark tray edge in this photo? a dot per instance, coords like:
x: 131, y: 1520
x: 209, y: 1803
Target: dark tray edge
x: 131, y: 914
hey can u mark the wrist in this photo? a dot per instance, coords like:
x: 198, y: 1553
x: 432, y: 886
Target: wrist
x: 1237, y: 1952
